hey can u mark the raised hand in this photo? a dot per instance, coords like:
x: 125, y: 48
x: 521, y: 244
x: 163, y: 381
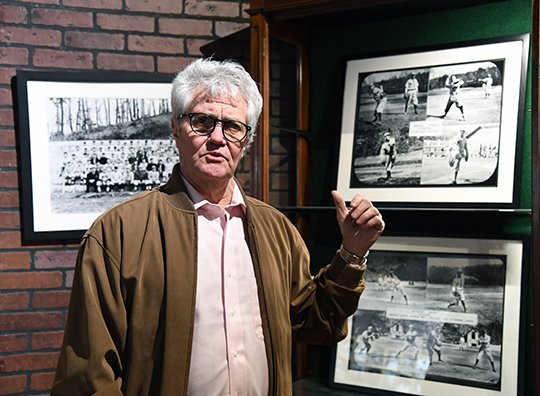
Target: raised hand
x: 360, y: 225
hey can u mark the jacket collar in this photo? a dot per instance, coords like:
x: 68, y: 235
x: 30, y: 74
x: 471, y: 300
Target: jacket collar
x: 177, y: 195
x: 176, y: 192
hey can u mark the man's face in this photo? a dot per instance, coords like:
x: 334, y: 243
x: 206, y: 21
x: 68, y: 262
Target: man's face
x: 207, y: 159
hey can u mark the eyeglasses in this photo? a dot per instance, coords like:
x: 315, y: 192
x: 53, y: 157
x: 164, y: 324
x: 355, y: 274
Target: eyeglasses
x: 204, y: 124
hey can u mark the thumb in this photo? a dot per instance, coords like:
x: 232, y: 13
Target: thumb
x: 341, y: 208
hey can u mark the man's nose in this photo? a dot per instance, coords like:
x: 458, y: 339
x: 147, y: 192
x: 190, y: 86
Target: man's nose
x: 217, y: 133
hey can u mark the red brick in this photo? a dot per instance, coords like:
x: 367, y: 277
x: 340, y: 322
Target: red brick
x: 171, y: 65
x: 62, y: 59
x: 62, y: 17
x: 95, y: 40
x: 9, y: 199
x: 245, y: 8
x: 162, y: 6
x: 5, y: 95
x: 279, y: 198
x: 9, y: 179
x: 10, y: 343
x: 49, y: 340
x: 13, y: 56
x: 185, y: 27
x: 128, y: 23
x: 41, y: 381
x: 10, y: 220
x: 12, y: 14
x: 41, y: 37
x: 7, y: 138
x: 277, y: 164
x: 48, y: 259
x: 30, y: 280
x: 6, y: 74
x: 99, y: 4
x: 194, y: 46
x: 226, y: 28
x: 41, y: 1
x: 166, y: 45
x: 142, y: 63
x: 279, y: 181
x: 212, y: 8
x: 6, y: 117
x: 30, y: 321
x: 69, y: 278
x: 13, y: 301
x: 51, y: 299
x: 30, y: 362
x: 10, y: 239
x: 8, y: 158
x: 11, y: 384
x: 14, y: 261
x: 277, y: 146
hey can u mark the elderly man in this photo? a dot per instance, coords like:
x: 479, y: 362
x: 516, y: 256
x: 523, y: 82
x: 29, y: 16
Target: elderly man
x: 194, y: 288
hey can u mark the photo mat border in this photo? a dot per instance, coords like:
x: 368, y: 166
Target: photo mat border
x: 505, y: 195
x: 39, y: 225
x: 515, y: 248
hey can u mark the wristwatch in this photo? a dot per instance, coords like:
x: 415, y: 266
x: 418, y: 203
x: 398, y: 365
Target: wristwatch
x: 351, y: 258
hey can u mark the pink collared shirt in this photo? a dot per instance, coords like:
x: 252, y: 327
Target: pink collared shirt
x: 228, y: 355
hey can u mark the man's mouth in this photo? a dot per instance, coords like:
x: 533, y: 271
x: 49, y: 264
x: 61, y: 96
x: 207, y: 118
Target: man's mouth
x: 215, y: 154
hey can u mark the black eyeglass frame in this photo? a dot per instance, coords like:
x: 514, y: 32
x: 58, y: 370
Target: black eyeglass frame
x: 216, y: 120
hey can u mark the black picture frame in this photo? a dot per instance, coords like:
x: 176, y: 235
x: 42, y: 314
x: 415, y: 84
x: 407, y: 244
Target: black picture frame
x: 76, y: 114
x: 398, y: 149
x: 410, y: 283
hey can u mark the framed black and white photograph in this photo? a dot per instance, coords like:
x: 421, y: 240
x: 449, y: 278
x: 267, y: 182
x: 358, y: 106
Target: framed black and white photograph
x: 439, y: 316
x: 436, y: 127
x: 88, y: 140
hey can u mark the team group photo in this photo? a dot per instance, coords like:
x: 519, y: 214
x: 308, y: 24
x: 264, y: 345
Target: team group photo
x: 103, y: 151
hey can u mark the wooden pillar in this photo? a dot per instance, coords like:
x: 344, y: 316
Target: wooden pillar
x: 260, y: 71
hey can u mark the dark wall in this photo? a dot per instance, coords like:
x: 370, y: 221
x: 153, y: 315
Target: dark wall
x: 331, y: 47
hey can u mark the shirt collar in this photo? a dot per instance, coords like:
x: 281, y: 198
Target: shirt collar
x: 199, y: 201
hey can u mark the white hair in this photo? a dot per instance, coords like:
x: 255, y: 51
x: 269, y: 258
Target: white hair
x: 206, y: 78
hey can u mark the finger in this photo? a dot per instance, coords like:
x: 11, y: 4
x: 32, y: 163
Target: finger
x: 369, y: 215
x: 359, y: 200
x: 339, y: 202
x: 364, y: 211
x: 377, y: 223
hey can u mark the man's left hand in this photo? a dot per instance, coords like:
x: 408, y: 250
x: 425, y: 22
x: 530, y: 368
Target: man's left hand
x: 360, y: 225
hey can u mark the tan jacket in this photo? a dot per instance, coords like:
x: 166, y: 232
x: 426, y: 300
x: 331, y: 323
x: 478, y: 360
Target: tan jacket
x: 130, y: 322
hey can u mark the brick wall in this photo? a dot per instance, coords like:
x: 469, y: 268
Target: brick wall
x: 120, y: 35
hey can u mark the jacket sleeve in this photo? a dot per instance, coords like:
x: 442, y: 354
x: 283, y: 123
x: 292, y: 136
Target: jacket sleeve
x: 320, y: 305
x: 90, y: 360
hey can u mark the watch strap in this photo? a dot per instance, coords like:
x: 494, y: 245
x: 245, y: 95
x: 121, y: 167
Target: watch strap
x: 351, y: 258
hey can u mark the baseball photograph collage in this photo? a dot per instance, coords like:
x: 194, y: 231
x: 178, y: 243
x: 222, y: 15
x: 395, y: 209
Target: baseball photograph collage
x: 435, y: 129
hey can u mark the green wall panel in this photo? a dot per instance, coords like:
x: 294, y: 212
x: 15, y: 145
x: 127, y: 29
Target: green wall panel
x: 331, y: 47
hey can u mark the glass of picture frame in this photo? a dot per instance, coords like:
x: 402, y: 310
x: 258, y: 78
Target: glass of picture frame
x: 435, y: 127
x: 439, y: 316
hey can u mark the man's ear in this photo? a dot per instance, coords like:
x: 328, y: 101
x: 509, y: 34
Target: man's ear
x: 174, y: 127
